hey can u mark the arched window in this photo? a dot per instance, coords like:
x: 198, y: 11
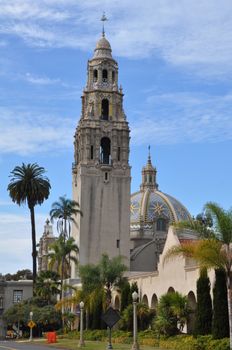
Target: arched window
x: 113, y: 76
x: 161, y: 225
x: 104, y: 75
x: 105, y: 109
x: 95, y: 75
x: 105, y: 156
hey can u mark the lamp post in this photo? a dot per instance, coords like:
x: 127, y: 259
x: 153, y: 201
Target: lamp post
x: 31, y: 336
x: 81, y: 342
x: 135, y: 345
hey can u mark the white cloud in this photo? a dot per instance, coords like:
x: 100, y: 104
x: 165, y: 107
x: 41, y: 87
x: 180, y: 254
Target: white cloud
x: 41, y: 80
x: 189, y: 33
x: 194, y: 118
x: 26, y: 133
x: 15, y: 238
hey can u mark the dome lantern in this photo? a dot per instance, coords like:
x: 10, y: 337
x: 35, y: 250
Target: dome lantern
x: 149, y: 175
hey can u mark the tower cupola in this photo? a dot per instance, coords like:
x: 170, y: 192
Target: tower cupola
x: 149, y: 175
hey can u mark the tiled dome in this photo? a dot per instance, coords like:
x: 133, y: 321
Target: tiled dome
x: 149, y: 204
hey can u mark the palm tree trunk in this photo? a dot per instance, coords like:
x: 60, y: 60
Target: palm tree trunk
x: 229, y: 297
x: 33, y: 238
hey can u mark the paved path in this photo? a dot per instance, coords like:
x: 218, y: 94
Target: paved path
x: 12, y: 345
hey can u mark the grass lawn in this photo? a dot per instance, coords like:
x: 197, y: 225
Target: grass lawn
x: 72, y: 344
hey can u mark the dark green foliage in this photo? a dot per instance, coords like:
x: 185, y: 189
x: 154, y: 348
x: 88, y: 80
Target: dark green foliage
x: 203, y: 324
x: 46, y: 317
x: 96, y: 314
x: 172, y: 314
x: 125, y: 295
x: 47, y: 286
x: 220, y: 325
x: 145, y: 316
x: 25, y: 274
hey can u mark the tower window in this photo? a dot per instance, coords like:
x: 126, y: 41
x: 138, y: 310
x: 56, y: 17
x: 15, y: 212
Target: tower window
x: 91, y: 152
x: 105, y: 109
x: 104, y: 75
x: 118, y: 243
x: 161, y: 225
x: 113, y: 76
x: 1, y: 303
x: 119, y: 151
x: 105, y: 156
x: 95, y: 75
x: 106, y: 176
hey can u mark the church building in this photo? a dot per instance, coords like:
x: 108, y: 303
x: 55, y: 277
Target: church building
x: 136, y: 226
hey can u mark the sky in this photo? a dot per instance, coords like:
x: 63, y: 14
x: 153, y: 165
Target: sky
x: 175, y: 67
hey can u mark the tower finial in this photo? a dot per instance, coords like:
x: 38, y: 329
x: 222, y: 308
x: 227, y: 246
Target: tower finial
x: 103, y: 19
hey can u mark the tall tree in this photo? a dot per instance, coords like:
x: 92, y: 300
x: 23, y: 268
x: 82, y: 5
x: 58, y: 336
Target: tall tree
x: 111, y: 273
x: 203, y: 323
x: 64, y: 211
x: 215, y: 252
x: 220, y: 326
x: 60, y: 256
x: 28, y: 185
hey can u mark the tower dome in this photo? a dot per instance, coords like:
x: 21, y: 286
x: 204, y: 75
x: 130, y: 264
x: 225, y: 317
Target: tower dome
x: 103, y: 48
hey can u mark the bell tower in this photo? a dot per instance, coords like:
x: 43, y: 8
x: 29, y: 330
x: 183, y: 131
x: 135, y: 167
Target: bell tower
x: 101, y: 171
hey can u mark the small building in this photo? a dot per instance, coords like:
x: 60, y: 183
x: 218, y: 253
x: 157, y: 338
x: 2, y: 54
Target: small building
x: 13, y: 292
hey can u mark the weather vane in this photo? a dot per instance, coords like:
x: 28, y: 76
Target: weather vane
x: 149, y: 153
x: 103, y: 19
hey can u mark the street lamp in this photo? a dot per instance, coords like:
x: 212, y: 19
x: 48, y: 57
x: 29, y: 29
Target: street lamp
x: 135, y: 345
x: 81, y: 342
x: 31, y: 316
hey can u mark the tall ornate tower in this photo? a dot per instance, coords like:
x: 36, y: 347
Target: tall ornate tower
x: 101, y: 172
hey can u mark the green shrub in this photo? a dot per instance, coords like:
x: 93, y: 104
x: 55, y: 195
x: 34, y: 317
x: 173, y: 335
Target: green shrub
x: 204, y: 305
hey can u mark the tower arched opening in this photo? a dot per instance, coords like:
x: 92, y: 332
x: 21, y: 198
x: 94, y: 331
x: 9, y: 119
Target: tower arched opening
x: 105, y: 109
x: 113, y: 76
x: 105, y: 155
x: 104, y: 75
x: 95, y: 75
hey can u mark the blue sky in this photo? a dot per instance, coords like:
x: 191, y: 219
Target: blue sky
x: 175, y: 66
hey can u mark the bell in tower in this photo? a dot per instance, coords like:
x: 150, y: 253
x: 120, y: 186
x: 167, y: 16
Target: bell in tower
x: 101, y: 171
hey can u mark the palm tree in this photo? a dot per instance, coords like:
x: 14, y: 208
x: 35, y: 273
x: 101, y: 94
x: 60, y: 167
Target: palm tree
x: 213, y: 252
x: 60, y: 256
x: 64, y: 212
x: 111, y: 273
x: 29, y: 185
x: 47, y: 285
